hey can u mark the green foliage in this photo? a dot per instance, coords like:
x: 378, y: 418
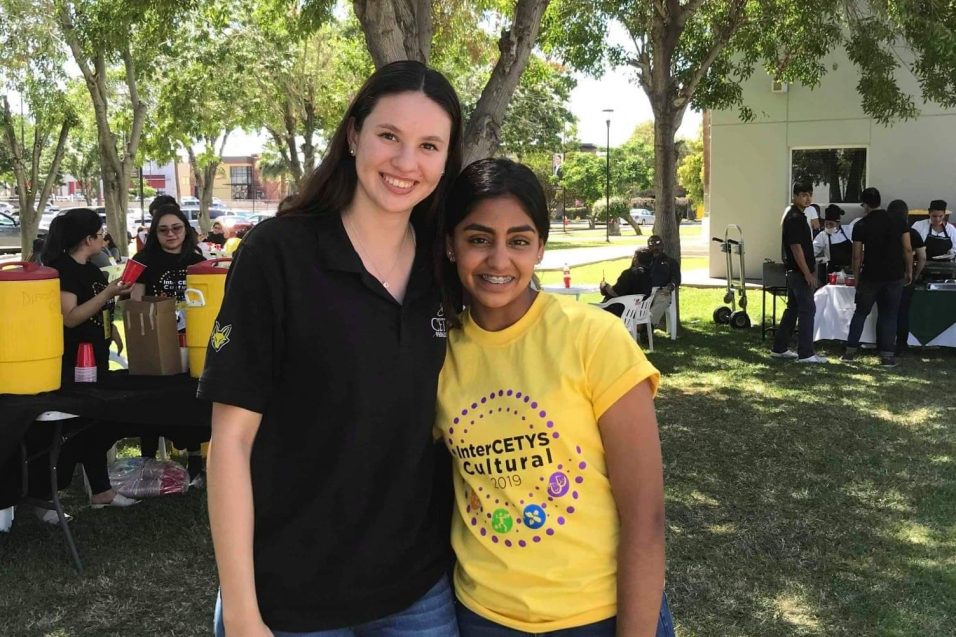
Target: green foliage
x: 690, y: 172
x: 537, y: 118
x: 582, y: 176
x: 619, y: 208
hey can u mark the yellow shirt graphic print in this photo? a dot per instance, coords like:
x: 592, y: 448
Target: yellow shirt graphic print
x: 524, y: 464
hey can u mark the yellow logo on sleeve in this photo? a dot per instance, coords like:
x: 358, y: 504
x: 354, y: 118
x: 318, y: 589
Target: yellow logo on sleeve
x: 220, y: 336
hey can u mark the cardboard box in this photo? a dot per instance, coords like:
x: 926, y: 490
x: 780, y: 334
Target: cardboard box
x: 152, y: 342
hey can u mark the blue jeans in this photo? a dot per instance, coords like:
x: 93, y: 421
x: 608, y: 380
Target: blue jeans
x: 433, y: 615
x: 801, y: 311
x: 473, y: 625
x: 886, y: 295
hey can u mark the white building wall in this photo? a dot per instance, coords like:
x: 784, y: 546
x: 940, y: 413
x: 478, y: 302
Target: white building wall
x: 750, y: 162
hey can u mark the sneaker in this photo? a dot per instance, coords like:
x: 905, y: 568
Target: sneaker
x: 816, y: 358
x: 849, y: 355
x: 786, y: 354
x: 887, y: 362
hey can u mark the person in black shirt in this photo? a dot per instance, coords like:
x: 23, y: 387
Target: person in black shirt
x: 86, y: 301
x: 665, y: 277
x: 171, y: 247
x: 899, y: 210
x: 216, y: 235
x: 634, y: 280
x: 798, y: 257
x: 882, y: 265
x: 329, y: 501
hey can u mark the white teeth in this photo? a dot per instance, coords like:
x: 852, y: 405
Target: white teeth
x: 398, y: 183
x: 497, y: 280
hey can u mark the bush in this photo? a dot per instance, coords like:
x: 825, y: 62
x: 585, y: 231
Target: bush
x: 579, y: 212
x: 619, y: 208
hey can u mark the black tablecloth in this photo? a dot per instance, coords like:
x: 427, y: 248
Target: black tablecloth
x: 150, y: 401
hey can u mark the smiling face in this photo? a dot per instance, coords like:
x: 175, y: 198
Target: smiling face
x: 495, y: 248
x: 400, y: 152
x: 171, y: 232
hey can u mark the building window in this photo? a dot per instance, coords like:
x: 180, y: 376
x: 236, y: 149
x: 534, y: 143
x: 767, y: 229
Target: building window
x: 838, y: 175
x: 240, y: 180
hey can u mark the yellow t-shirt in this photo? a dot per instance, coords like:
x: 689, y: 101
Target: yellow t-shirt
x: 536, y: 532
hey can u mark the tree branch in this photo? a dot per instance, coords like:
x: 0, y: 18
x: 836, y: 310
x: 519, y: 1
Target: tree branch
x: 54, y: 171
x: 484, y: 127
x: 139, y: 107
x: 735, y: 20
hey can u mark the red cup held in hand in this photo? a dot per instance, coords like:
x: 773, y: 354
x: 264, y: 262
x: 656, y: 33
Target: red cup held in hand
x: 132, y: 271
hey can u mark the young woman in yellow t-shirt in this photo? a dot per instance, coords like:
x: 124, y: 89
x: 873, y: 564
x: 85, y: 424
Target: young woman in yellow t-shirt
x: 547, y: 408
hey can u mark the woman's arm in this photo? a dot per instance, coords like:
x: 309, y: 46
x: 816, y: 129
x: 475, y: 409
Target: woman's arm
x: 633, y: 452
x: 231, y: 516
x: 920, y: 262
x: 139, y: 291
x: 74, y: 314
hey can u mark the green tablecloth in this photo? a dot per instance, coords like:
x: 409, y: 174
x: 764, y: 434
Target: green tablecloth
x: 933, y: 312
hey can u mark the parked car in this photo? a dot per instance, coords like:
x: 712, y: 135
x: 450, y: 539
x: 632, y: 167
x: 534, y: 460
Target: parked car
x: 6, y: 208
x: 642, y: 216
x: 9, y: 233
x: 233, y: 223
x: 258, y: 218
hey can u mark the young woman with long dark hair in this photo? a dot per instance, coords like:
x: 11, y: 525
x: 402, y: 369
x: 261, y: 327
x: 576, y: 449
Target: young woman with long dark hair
x: 86, y: 301
x: 328, y: 510
x: 547, y: 408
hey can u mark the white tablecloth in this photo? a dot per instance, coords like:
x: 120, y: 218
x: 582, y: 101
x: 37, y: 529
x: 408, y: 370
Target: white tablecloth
x: 835, y: 307
x: 576, y: 290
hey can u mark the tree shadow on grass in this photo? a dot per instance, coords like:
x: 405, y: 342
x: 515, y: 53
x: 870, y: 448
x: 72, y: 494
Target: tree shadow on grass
x: 804, y: 501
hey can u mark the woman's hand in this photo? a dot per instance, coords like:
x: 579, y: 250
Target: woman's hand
x: 116, y: 288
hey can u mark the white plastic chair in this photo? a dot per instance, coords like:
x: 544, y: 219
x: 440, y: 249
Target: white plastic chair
x: 637, y: 311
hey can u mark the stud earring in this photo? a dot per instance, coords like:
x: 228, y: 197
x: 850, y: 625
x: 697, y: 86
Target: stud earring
x: 451, y: 256
x: 352, y: 151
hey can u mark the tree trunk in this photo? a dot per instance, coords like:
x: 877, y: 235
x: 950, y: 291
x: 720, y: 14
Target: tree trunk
x: 396, y: 29
x: 205, y: 177
x: 637, y: 228
x: 515, y: 45
x: 666, y: 122
x: 29, y: 183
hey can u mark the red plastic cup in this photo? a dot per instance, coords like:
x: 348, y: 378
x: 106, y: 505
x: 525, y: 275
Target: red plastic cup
x: 832, y: 278
x: 132, y: 271
x: 567, y: 281
x: 850, y: 281
x: 84, y: 355
x: 182, y: 340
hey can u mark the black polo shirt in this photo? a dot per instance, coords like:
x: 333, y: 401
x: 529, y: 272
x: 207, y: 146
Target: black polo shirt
x: 352, y: 499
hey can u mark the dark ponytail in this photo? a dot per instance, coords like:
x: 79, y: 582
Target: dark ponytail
x: 68, y: 231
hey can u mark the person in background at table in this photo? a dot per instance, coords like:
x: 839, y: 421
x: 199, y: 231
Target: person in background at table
x: 170, y: 248
x: 216, y: 234
x: 815, y: 217
x: 560, y: 522
x: 329, y: 499
x: 938, y: 234
x: 882, y: 266
x: 898, y: 210
x: 665, y: 277
x: 86, y: 301
x: 232, y: 243
x: 797, y: 249
x: 833, y: 244
x: 634, y: 280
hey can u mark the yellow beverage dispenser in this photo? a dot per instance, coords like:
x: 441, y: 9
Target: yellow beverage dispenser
x: 31, y: 328
x: 205, y: 288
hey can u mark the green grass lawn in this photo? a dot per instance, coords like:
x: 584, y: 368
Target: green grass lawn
x: 593, y: 273
x: 816, y: 500
x: 580, y: 236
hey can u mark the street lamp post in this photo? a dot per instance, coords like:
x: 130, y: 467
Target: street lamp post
x: 607, y: 175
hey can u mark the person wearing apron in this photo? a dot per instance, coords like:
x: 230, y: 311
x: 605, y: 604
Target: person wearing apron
x: 833, y: 246
x: 938, y: 234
